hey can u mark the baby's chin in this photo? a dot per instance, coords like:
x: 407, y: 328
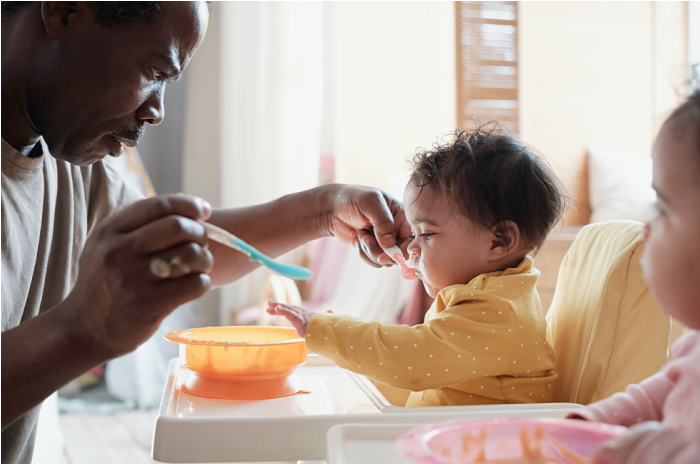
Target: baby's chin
x: 429, y: 289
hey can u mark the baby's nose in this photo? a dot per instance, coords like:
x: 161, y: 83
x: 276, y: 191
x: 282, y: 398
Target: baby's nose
x: 413, y: 249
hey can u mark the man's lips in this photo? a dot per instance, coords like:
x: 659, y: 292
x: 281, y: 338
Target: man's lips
x: 127, y: 142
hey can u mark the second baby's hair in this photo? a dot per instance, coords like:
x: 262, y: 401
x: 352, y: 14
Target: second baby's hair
x: 492, y: 177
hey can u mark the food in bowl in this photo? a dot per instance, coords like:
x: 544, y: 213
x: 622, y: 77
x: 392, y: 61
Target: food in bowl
x: 513, y: 441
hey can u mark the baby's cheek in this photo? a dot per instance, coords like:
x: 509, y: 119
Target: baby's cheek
x: 652, y: 265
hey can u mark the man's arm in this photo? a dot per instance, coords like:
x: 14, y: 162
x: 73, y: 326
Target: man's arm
x: 117, y: 302
x: 354, y: 214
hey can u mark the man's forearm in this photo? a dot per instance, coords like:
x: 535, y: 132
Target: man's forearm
x: 39, y: 357
x: 274, y: 228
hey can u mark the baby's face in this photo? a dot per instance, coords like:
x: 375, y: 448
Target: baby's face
x: 446, y: 248
x: 671, y: 257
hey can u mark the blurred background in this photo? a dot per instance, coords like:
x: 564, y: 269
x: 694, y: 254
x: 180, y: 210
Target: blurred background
x: 285, y: 96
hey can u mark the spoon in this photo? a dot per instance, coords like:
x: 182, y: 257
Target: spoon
x: 395, y: 253
x: 224, y: 237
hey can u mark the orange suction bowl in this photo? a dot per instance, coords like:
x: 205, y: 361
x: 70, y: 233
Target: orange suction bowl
x: 243, y: 363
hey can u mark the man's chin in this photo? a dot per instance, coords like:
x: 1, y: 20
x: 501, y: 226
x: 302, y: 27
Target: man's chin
x: 84, y: 154
x: 85, y: 158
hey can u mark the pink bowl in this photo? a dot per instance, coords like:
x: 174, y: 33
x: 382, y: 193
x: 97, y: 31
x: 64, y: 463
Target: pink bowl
x: 506, y: 440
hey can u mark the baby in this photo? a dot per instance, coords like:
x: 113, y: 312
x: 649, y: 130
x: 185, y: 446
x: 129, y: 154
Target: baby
x: 663, y: 412
x: 476, y: 207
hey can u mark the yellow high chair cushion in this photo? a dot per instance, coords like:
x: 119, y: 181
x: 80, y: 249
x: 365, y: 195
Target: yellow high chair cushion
x: 606, y: 328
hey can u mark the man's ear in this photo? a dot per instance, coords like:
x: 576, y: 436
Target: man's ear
x: 58, y: 17
x: 506, y: 237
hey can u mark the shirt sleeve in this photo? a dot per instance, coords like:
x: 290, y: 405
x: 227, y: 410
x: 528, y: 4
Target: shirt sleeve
x: 638, y: 403
x: 461, y: 343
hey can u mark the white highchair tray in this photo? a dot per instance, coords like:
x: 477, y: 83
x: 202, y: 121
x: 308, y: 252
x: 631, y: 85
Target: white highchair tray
x: 384, y: 406
x: 194, y: 429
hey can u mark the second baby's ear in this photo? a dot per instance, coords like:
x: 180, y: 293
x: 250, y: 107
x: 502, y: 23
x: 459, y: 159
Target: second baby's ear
x: 506, y: 237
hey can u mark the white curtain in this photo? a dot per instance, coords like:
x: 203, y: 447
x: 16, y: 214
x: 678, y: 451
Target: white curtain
x: 254, y: 114
x: 272, y: 94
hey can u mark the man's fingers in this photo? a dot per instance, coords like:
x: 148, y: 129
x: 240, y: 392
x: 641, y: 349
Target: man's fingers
x: 364, y: 256
x: 145, y: 211
x: 172, y: 293
x: 373, y: 251
x: 382, y: 219
x: 168, y: 232
x: 178, y: 261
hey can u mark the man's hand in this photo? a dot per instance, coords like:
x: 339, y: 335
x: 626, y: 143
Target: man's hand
x: 299, y: 317
x: 118, y: 301
x: 368, y: 219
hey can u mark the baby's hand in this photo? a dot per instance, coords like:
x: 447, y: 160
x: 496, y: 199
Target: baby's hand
x: 617, y: 451
x: 299, y: 317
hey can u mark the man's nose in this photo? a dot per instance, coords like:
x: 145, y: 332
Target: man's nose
x: 152, y: 110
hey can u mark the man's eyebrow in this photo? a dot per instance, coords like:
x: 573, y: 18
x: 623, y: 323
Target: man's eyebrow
x: 174, y: 66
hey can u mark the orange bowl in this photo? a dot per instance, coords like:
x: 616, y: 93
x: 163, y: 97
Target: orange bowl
x: 240, y: 353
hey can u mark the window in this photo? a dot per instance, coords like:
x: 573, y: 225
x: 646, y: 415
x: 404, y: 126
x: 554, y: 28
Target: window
x: 487, y: 62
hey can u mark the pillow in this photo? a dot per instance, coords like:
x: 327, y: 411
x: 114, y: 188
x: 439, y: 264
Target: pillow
x: 619, y: 185
x: 605, y: 327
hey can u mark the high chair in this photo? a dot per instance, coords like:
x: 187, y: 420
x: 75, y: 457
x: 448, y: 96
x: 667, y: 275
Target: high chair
x: 606, y: 328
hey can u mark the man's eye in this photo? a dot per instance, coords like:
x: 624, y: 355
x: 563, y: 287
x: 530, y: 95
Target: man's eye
x: 160, y: 75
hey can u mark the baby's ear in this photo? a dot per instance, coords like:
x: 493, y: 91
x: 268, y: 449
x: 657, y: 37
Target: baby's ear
x: 506, y: 237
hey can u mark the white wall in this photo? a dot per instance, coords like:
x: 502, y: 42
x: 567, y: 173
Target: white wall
x: 597, y: 72
x: 394, y: 86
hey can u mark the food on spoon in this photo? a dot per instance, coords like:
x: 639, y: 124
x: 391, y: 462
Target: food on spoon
x: 407, y: 272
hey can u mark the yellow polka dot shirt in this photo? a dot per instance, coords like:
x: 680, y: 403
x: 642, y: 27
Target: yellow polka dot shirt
x: 481, y: 343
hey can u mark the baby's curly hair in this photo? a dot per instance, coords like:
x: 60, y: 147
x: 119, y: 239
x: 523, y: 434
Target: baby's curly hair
x: 491, y: 177
x: 687, y: 115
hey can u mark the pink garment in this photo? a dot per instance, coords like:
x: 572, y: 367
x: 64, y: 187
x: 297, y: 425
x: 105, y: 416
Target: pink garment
x: 671, y: 397
x: 327, y: 256
x: 414, y: 311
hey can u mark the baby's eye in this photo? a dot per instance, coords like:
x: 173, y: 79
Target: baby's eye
x: 659, y: 209
x: 427, y: 236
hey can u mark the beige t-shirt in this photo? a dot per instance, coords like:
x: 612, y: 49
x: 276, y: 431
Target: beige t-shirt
x: 49, y: 207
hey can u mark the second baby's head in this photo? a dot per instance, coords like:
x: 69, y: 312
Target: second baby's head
x: 478, y: 204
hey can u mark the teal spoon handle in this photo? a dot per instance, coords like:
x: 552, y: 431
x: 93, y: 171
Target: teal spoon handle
x: 224, y: 237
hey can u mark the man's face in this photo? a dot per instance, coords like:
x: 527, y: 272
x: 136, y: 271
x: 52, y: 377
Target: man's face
x: 97, y: 87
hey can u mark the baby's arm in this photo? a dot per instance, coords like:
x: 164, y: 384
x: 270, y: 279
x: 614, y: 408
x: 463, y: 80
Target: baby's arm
x: 648, y: 443
x: 638, y: 403
x: 449, y: 349
x: 299, y: 317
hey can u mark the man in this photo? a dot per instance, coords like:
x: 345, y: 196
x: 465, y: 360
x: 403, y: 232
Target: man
x: 82, y: 268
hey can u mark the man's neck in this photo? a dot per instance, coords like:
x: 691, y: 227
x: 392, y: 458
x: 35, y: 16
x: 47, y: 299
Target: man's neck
x: 18, y: 46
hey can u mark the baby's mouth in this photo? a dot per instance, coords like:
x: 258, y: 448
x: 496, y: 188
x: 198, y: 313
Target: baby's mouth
x: 416, y: 267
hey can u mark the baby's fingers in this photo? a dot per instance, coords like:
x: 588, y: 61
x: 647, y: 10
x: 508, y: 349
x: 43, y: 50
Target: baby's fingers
x: 617, y: 451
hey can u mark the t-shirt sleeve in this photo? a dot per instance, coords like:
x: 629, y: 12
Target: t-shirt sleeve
x: 462, y: 343
x: 109, y: 192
